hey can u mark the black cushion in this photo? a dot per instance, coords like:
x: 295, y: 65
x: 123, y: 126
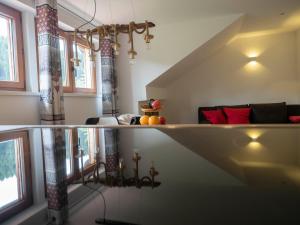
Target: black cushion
x: 201, y: 117
x: 293, y: 110
x: 92, y: 121
x: 135, y: 120
x: 269, y: 113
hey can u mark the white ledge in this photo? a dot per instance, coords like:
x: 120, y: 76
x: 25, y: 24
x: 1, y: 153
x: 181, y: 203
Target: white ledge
x: 160, y: 127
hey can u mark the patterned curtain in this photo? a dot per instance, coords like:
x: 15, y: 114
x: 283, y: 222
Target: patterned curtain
x: 109, y: 104
x: 52, y: 109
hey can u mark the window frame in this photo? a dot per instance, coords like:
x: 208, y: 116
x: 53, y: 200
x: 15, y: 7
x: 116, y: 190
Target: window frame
x: 27, y: 201
x: 75, y: 172
x: 82, y: 43
x: 71, y: 88
x: 16, y: 16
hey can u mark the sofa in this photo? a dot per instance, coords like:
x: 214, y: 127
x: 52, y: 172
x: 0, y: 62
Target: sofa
x: 267, y: 113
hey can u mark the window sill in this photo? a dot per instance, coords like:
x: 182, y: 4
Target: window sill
x: 18, y: 93
x: 84, y: 95
x: 28, y: 93
x: 37, y: 214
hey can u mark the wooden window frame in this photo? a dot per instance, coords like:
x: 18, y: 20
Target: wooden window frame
x: 82, y: 43
x: 15, y: 15
x: 71, y: 88
x: 27, y: 201
x: 75, y: 173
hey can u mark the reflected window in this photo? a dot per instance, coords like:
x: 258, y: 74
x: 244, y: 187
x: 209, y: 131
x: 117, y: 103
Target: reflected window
x: 87, y: 141
x: 69, y: 152
x: 15, y: 175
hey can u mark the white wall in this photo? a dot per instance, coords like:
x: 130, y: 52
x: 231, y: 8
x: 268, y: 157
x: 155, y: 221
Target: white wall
x: 227, y: 78
x: 172, y: 43
x: 23, y: 107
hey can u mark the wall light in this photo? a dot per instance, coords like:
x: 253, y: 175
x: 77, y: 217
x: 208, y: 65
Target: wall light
x: 253, y: 61
x: 255, y: 145
x: 254, y: 135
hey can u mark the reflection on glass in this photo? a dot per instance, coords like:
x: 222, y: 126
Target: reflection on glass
x: 7, y: 62
x: 83, y: 72
x: 10, y: 172
x: 87, y: 144
x: 69, y: 157
x: 63, y: 57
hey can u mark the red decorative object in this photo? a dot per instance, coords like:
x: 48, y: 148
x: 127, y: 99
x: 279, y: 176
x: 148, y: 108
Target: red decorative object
x: 215, y: 116
x: 162, y: 120
x: 294, y: 119
x: 237, y: 115
x: 155, y: 104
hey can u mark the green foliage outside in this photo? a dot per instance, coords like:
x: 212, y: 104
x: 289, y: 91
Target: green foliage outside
x: 7, y: 159
x: 4, y: 60
x: 80, y: 70
x: 68, y: 146
x: 83, y: 136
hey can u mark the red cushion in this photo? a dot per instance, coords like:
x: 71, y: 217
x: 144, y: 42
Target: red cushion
x: 237, y: 115
x: 294, y: 119
x: 215, y: 116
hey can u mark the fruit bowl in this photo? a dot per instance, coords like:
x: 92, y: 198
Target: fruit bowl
x: 149, y: 110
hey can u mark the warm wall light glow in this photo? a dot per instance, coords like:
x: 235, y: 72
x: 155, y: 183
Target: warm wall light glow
x: 254, y: 134
x: 252, y: 54
x: 253, y: 63
x: 255, y: 145
x: 253, y: 67
x: 293, y: 21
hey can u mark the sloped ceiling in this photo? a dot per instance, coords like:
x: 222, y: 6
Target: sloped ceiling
x: 199, y: 54
x: 261, y: 14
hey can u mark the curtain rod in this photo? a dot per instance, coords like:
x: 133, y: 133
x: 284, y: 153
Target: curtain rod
x: 75, y: 14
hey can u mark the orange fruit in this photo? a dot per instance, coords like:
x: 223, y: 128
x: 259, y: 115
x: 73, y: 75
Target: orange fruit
x: 154, y: 120
x: 144, y: 120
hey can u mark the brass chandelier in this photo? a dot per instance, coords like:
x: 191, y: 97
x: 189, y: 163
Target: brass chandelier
x: 112, y: 31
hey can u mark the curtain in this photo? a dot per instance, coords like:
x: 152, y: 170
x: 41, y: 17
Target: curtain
x: 52, y: 109
x: 109, y: 104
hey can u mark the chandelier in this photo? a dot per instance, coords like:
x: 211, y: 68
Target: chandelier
x: 112, y: 31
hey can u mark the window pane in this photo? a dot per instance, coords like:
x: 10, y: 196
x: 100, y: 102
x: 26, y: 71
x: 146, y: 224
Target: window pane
x: 7, y: 62
x: 10, y: 173
x: 83, y: 72
x: 64, y: 64
x: 87, y: 137
x: 69, y: 158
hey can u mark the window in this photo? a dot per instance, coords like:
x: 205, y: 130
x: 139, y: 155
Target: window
x: 12, y: 75
x: 64, y: 59
x: 15, y: 174
x: 69, y: 152
x: 80, y: 78
x: 89, y: 142
x: 84, y: 74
